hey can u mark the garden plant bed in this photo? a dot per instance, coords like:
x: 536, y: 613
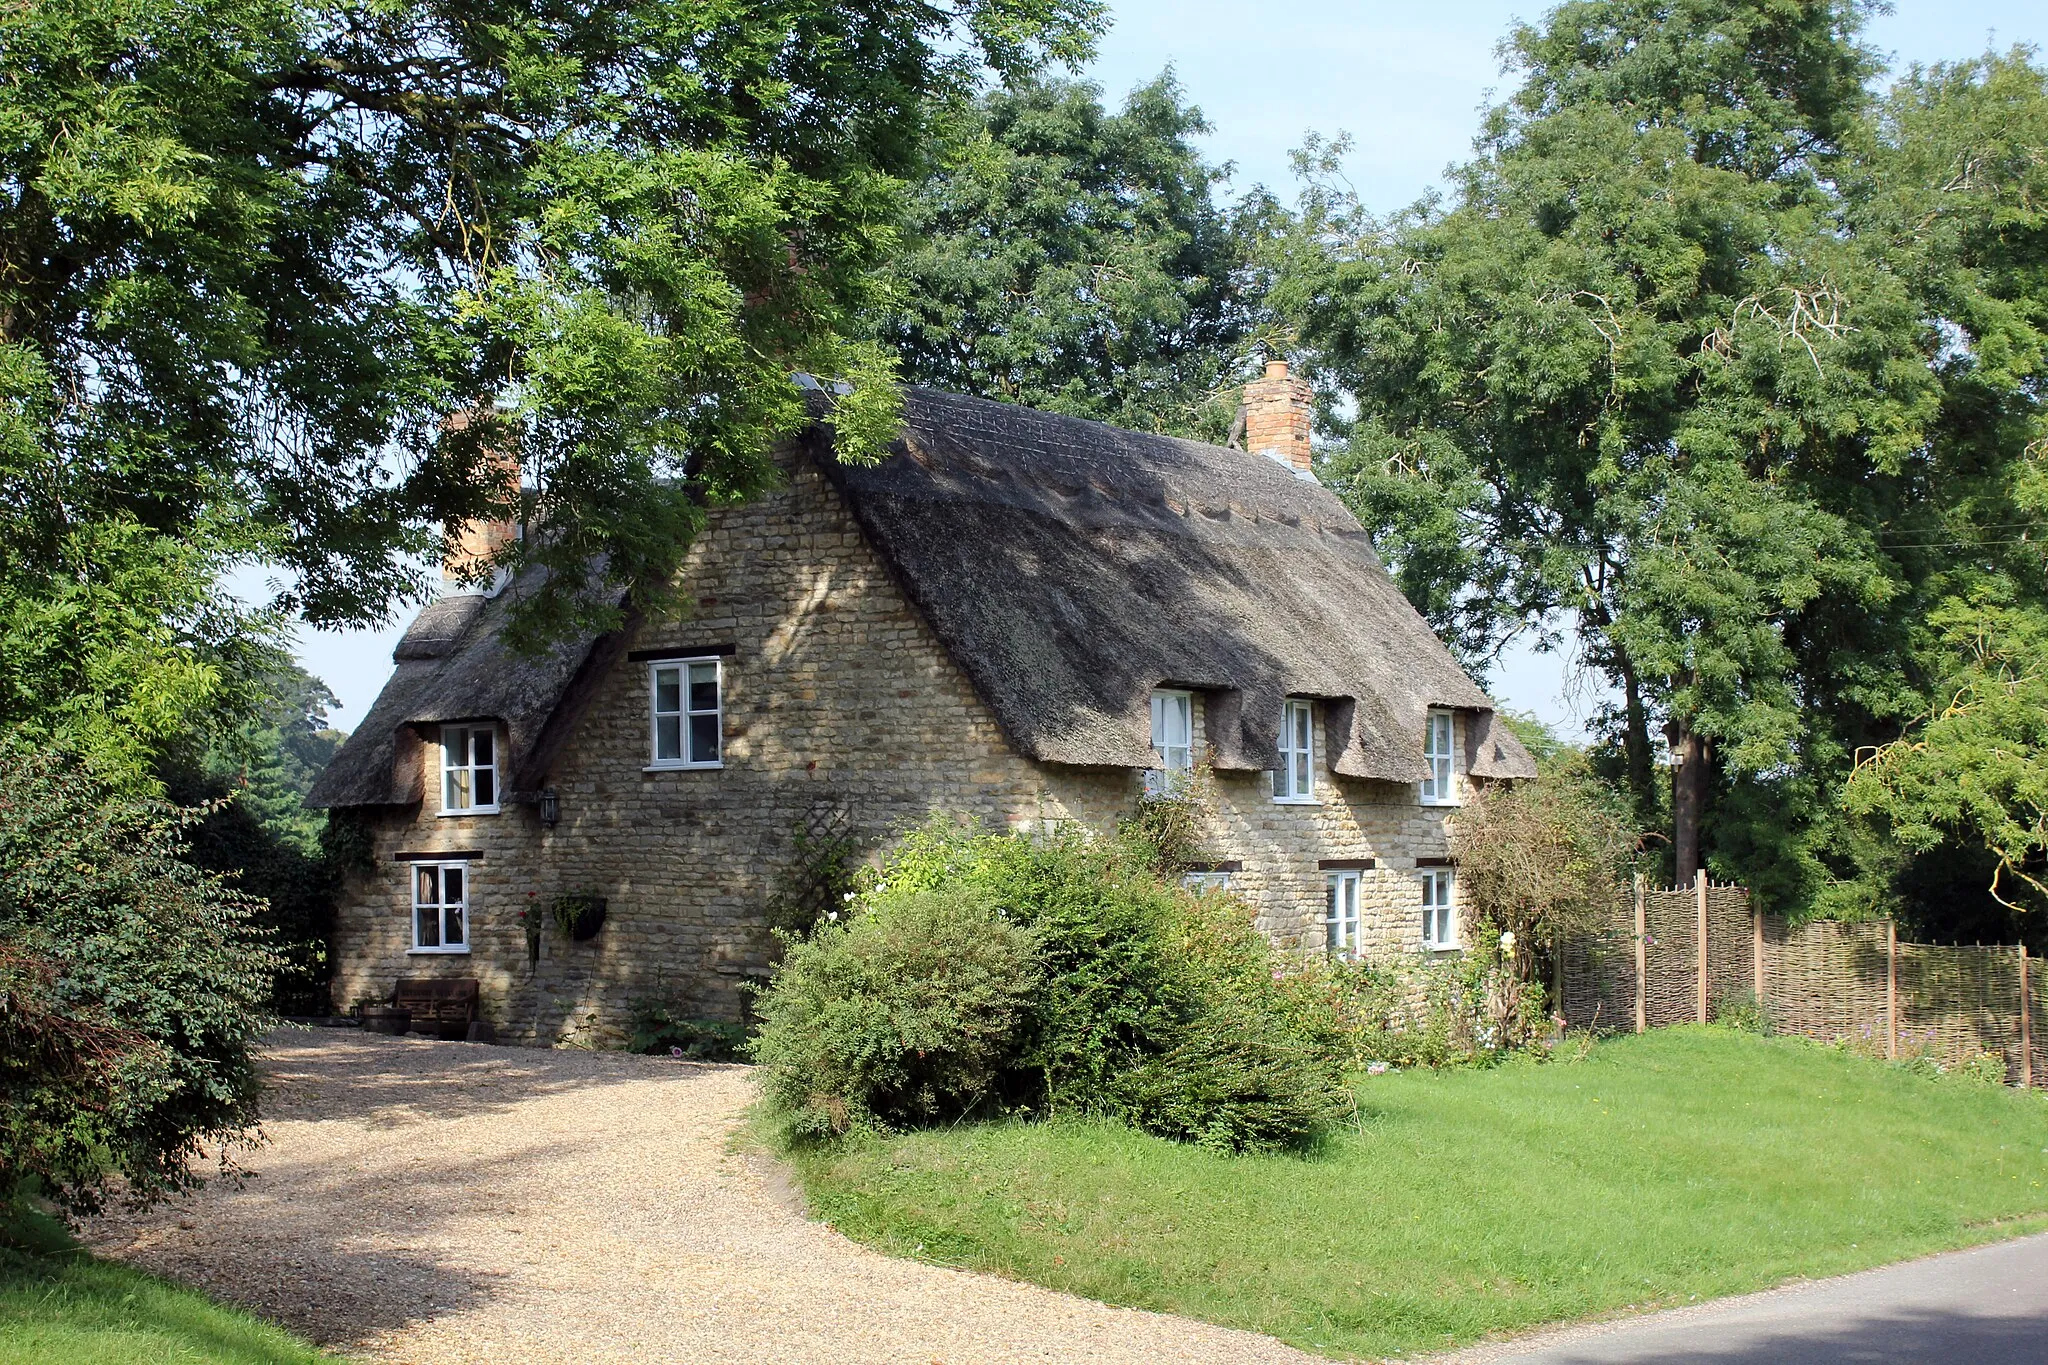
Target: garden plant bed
x: 1687, y: 1163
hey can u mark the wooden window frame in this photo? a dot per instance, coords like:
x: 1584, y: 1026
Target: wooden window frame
x: 1439, y: 909
x: 449, y: 771
x: 1166, y: 776
x: 684, y: 714
x: 440, y: 906
x: 1439, y: 745
x: 1294, y: 780
x: 1342, y: 923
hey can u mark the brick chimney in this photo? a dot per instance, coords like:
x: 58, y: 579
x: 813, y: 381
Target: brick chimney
x: 1276, y: 417
x: 467, y: 543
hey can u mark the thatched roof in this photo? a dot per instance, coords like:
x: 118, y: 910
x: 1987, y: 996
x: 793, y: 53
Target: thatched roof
x: 1070, y: 568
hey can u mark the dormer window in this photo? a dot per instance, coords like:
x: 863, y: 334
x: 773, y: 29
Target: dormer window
x: 1173, y: 742
x: 469, y: 770
x: 1294, y: 780
x: 1440, y: 787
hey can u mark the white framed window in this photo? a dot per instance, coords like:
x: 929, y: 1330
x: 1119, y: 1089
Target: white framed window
x: 1340, y: 914
x: 1295, y: 778
x: 469, y: 770
x: 440, y: 907
x: 1440, y: 787
x: 1173, y: 742
x: 1439, y: 908
x: 686, y: 699
x: 1206, y: 881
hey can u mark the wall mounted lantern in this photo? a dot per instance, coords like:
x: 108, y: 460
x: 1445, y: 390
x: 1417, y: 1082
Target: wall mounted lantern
x: 550, y: 807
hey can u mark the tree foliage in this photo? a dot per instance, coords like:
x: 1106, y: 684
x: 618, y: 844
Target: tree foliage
x: 1077, y: 260
x: 131, y: 986
x: 255, y: 253
x: 1722, y: 359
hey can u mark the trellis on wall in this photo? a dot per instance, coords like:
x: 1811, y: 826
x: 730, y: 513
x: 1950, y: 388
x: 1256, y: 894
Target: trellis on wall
x: 1675, y: 955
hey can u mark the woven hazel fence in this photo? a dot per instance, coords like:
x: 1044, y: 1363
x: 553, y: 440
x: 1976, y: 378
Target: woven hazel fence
x: 1676, y: 955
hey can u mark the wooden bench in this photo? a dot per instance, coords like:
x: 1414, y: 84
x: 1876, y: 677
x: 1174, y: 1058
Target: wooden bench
x: 445, y: 1006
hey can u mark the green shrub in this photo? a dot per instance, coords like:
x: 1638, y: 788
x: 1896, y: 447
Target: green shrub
x: 1149, y: 1003
x: 902, y: 1015
x: 1742, y: 1010
x: 662, y: 1028
x: 131, y: 987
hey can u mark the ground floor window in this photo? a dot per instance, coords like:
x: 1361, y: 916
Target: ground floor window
x: 440, y: 907
x: 1206, y: 881
x: 1340, y: 914
x: 1439, y: 909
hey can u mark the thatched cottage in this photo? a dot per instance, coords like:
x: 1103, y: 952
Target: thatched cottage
x: 1017, y: 617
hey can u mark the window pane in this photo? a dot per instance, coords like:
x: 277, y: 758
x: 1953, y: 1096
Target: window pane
x: 668, y: 690
x: 703, y: 687
x: 481, y: 739
x: 458, y: 789
x: 428, y: 890
x: 1159, y: 722
x: 668, y: 738
x: 1280, y: 780
x: 1181, y: 717
x: 704, y: 739
x: 451, y: 885
x: 1301, y: 774
x: 486, y: 787
x: 427, y: 927
x: 1301, y: 728
x: 455, y: 935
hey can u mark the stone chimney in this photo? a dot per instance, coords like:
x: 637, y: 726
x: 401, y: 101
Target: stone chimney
x: 468, y: 543
x: 1276, y: 417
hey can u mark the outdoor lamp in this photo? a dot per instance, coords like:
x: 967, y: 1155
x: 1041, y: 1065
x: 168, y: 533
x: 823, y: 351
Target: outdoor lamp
x: 550, y: 807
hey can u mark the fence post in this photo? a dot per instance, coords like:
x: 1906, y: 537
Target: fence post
x: 1699, y: 886
x: 1891, y: 989
x: 2026, y: 1026
x: 1642, y: 955
x: 1756, y: 951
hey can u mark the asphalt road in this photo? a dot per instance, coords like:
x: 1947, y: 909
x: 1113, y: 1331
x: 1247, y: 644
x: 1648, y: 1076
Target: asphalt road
x: 1983, y: 1307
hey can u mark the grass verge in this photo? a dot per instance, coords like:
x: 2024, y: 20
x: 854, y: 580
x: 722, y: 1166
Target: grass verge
x: 68, y: 1309
x: 1685, y: 1164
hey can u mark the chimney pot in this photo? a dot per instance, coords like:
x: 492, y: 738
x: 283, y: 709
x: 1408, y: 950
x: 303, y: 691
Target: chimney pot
x: 473, y: 541
x: 1277, y: 412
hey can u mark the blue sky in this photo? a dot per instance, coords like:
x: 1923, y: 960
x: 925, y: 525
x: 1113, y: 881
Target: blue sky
x: 1407, y: 81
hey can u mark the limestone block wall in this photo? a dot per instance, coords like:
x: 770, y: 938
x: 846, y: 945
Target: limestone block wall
x: 840, y: 701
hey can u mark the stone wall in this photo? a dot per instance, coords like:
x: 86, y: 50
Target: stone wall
x: 840, y: 703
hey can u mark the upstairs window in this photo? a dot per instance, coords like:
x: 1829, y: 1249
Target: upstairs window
x: 1439, y: 909
x: 1295, y: 778
x: 1173, y: 742
x: 688, y: 712
x: 440, y: 907
x: 469, y: 770
x: 1439, y: 788
x: 1340, y: 914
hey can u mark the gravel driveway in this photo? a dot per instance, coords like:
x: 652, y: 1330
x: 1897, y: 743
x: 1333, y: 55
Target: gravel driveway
x: 432, y: 1202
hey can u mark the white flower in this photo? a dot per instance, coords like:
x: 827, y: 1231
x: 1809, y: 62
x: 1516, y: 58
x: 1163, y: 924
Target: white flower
x: 849, y: 896
x: 1507, y: 942
x: 832, y: 914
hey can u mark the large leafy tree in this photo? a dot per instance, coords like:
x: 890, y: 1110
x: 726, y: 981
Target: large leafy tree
x: 1078, y: 260
x: 1641, y: 372
x: 255, y: 253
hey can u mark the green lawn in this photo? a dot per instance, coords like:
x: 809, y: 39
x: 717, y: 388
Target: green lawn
x: 1686, y: 1163
x: 72, y: 1310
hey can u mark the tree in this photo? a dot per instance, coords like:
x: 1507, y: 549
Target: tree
x: 132, y: 986
x: 1077, y: 260
x: 255, y: 253
x: 255, y: 830
x: 1641, y: 370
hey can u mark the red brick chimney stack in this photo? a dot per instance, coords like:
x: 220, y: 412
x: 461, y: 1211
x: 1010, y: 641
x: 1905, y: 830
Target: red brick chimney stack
x: 470, y: 542
x: 1276, y: 417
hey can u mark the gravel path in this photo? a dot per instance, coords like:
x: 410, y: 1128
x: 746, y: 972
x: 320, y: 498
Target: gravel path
x: 433, y: 1203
